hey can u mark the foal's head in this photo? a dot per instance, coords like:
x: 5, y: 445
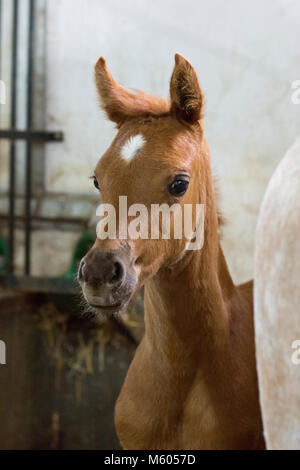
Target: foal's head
x: 159, y: 156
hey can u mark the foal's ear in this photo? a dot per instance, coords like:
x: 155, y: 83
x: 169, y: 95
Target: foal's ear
x: 112, y: 95
x: 118, y: 103
x: 187, y: 100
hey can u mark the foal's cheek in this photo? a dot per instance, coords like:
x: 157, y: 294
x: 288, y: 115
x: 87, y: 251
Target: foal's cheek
x: 150, y: 260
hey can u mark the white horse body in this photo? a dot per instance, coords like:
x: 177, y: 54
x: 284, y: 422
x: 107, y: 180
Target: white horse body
x: 277, y: 304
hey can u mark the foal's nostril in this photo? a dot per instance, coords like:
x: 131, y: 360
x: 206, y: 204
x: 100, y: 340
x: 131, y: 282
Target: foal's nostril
x: 117, y: 273
x: 99, y: 270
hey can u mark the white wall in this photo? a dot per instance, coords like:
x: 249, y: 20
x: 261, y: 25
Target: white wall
x: 246, y: 55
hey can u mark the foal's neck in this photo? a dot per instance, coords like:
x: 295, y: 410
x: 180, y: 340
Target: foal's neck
x: 187, y: 310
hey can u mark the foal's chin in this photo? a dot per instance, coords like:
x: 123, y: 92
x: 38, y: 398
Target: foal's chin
x: 105, y: 305
x: 107, y: 310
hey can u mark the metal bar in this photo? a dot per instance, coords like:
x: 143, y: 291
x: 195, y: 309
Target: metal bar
x: 28, y: 163
x: 32, y: 135
x: 39, y: 284
x: 1, y: 6
x: 1, y: 10
x: 82, y: 222
x: 12, y: 163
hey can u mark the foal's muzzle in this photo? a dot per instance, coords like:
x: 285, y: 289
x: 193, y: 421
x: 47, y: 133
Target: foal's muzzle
x: 107, y: 278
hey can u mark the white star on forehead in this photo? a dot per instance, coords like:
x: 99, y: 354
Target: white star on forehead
x: 133, y: 145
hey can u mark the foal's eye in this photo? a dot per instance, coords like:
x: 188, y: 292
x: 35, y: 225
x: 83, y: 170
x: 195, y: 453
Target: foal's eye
x: 96, y: 184
x: 178, y: 187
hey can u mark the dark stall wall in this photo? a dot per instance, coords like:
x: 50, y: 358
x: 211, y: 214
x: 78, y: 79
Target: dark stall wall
x: 61, y: 380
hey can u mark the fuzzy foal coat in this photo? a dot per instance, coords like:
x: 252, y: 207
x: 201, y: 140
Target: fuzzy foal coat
x: 192, y: 383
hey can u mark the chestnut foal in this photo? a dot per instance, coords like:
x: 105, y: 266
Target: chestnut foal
x: 192, y: 383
